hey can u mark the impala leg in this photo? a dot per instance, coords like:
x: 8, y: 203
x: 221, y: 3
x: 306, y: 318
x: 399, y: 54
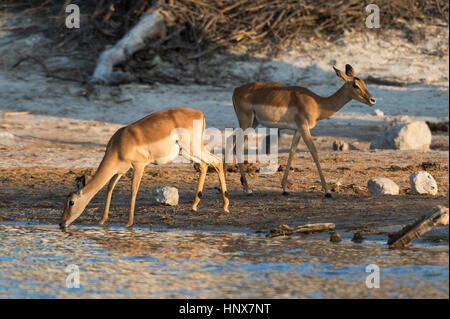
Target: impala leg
x: 201, y: 181
x: 218, y: 166
x: 240, y: 165
x: 245, y: 121
x: 228, y: 152
x: 111, y: 185
x: 304, y: 130
x: 244, y: 182
x: 205, y: 159
x: 294, y: 145
x: 136, y: 181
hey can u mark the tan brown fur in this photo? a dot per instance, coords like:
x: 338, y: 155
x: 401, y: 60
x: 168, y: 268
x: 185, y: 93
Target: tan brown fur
x: 148, y: 140
x: 294, y: 107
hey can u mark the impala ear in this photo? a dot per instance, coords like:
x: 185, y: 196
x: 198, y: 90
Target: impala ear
x: 349, y: 71
x: 80, y: 182
x: 341, y: 74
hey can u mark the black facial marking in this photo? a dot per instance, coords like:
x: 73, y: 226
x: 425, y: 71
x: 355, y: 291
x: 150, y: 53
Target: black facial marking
x: 199, y: 194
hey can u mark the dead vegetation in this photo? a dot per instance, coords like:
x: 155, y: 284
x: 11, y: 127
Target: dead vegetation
x: 196, y: 28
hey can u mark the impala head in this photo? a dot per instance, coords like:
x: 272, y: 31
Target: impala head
x: 355, y: 85
x: 74, y: 205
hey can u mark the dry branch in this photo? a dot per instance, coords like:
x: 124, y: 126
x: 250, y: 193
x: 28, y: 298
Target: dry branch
x: 150, y: 25
x: 47, y: 72
x: 285, y: 230
x: 437, y: 216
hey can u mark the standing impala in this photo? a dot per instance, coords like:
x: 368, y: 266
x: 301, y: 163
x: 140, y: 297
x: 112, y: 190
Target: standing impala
x: 153, y: 139
x: 297, y: 108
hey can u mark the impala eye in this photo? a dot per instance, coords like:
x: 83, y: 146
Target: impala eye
x: 71, y: 203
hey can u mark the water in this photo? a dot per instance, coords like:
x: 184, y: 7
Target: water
x: 161, y: 263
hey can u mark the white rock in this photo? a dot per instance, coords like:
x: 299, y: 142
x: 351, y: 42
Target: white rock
x: 6, y: 135
x: 382, y: 186
x: 124, y: 98
x: 269, y: 169
x: 166, y: 195
x: 340, y: 146
x: 6, y: 138
x: 378, y: 112
x: 423, y: 183
x: 404, y: 136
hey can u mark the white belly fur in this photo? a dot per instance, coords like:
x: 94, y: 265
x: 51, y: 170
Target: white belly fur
x: 174, y: 152
x: 281, y: 125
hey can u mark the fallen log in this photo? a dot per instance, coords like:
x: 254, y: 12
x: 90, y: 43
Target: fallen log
x: 285, y: 230
x: 437, y: 216
x: 150, y: 25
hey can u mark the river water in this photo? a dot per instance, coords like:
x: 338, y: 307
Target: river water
x: 41, y: 261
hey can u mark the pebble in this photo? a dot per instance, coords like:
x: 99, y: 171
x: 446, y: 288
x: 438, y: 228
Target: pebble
x: 382, y: 186
x: 423, y: 183
x: 166, y: 195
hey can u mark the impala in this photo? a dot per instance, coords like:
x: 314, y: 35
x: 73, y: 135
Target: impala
x: 296, y: 108
x: 154, y: 139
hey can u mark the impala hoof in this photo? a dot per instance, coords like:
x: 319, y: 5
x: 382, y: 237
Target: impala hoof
x: 328, y: 195
x: 286, y: 193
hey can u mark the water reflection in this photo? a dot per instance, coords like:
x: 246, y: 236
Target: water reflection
x: 144, y: 263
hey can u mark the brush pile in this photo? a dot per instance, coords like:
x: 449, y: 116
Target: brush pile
x: 256, y: 24
x: 198, y: 27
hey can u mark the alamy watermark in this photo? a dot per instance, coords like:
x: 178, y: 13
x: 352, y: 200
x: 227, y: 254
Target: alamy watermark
x: 73, y: 278
x: 261, y: 147
x: 373, y: 279
x: 373, y: 19
x: 73, y: 19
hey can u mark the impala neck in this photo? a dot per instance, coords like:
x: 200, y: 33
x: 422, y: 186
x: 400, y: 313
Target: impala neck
x: 330, y: 105
x: 102, y: 176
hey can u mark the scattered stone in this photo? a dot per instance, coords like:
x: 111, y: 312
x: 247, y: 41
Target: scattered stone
x: 382, y: 186
x: 357, y: 237
x: 378, y: 112
x: 269, y: 169
x: 333, y: 185
x: 166, y: 195
x: 423, y: 183
x: 124, y: 98
x: 405, y: 136
x: 430, y: 165
x: 335, y: 237
x: 6, y: 138
x: 340, y: 146
x: 6, y: 135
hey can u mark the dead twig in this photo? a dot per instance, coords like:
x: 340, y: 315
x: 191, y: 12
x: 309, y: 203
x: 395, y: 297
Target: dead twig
x: 437, y: 216
x: 285, y: 230
x: 46, y: 70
